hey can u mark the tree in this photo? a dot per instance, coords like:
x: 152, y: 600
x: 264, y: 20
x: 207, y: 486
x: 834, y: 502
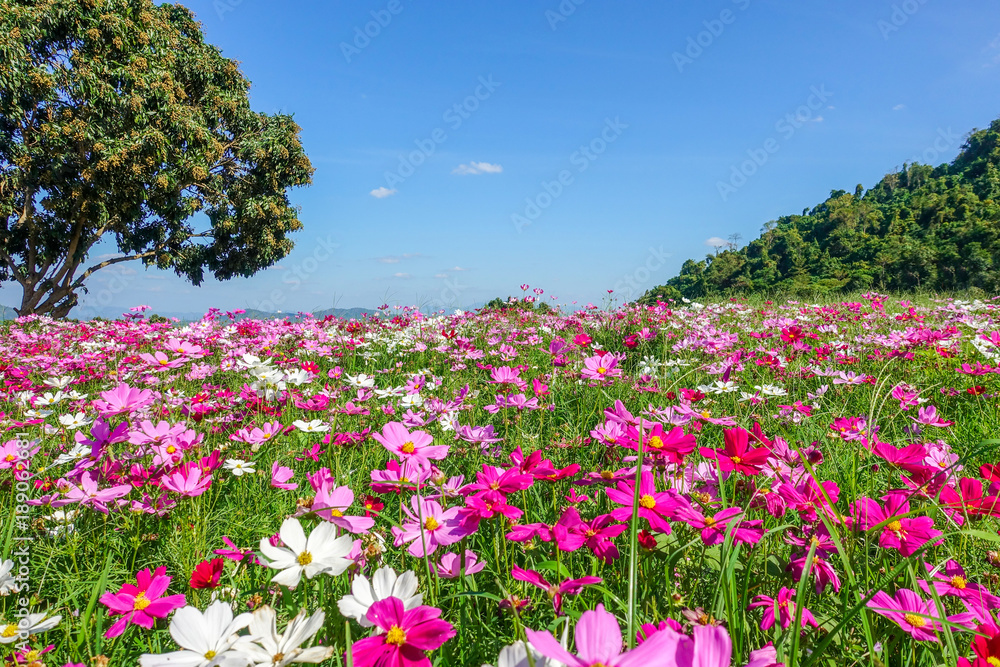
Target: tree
x: 119, y: 123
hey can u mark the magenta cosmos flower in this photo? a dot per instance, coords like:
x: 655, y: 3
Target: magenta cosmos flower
x: 782, y: 608
x: 405, y: 638
x: 410, y: 446
x: 599, y: 642
x: 440, y: 527
x: 917, y: 617
x: 737, y: 455
x: 896, y: 530
x: 143, y: 603
x: 555, y: 592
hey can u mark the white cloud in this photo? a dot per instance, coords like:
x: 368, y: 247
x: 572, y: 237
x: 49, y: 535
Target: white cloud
x: 899, y: 107
x: 457, y: 268
x: 477, y: 168
x: 716, y: 242
x: 401, y: 275
x: 440, y: 275
x: 395, y: 259
x: 382, y: 192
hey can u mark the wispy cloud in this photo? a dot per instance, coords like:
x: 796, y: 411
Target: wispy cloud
x: 395, y: 259
x: 477, y: 168
x: 716, y: 242
x: 457, y: 268
x: 899, y: 107
x: 382, y: 192
x: 401, y: 275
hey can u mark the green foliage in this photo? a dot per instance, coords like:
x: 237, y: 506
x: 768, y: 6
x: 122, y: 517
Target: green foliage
x: 921, y: 228
x: 118, y: 122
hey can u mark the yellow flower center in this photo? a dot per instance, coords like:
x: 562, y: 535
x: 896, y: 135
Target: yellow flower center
x: 210, y: 655
x: 602, y: 370
x: 995, y: 662
x: 141, y: 602
x: 709, y: 521
x: 9, y: 630
x: 431, y: 523
x: 10, y: 458
x: 396, y: 636
x: 607, y: 474
x: 958, y: 582
x: 648, y: 502
x: 171, y: 449
x: 701, y: 497
x: 737, y: 460
x: 408, y: 447
x: 915, y: 621
x: 656, y: 442
x: 304, y: 558
x: 706, y: 414
x: 335, y: 512
x: 894, y: 526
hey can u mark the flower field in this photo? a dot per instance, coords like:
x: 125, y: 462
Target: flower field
x: 741, y: 482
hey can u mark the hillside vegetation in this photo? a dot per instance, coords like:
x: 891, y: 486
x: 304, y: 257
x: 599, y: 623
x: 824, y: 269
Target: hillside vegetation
x: 920, y: 228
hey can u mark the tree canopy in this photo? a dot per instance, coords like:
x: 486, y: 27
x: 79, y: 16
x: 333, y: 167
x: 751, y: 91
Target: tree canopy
x: 920, y: 228
x: 119, y: 123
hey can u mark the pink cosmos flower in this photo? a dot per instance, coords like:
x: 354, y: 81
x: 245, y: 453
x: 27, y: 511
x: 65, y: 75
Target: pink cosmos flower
x: 782, y: 608
x: 918, y: 618
x: 332, y: 501
x: 496, y: 482
x: 672, y: 446
x: 406, y: 446
x: 405, y: 637
x: 599, y: 642
x: 555, y: 592
x: 929, y: 417
x: 601, y: 367
x: 121, y: 399
x: 141, y: 604
x: 654, y: 507
x: 715, y: 527
x: 441, y: 527
x: 737, y: 455
x: 400, y: 475
x: 89, y: 495
x: 905, y: 534
x: 188, y: 480
x: 571, y: 532
x: 821, y: 571
x: 280, y: 476
x: 952, y: 580
x: 450, y: 565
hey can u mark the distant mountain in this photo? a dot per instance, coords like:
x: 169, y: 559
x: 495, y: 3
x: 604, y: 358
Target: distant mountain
x: 108, y: 313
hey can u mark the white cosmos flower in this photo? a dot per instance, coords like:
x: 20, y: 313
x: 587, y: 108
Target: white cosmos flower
x: 58, y: 383
x: 323, y: 552
x: 239, y: 467
x: 7, y: 583
x: 360, y: 380
x: 270, y: 648
x: 37, y: 414
x: 411, y: 401
x: 48, y: 398
x: 32, y: 624
x: 79, y: 420
x: 206, y: 640
x: 313, y: 426
x: 384, y: 584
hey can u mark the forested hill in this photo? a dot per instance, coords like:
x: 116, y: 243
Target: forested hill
x: 924, y: 227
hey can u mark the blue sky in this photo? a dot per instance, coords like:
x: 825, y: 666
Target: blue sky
x: 646, y: 111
